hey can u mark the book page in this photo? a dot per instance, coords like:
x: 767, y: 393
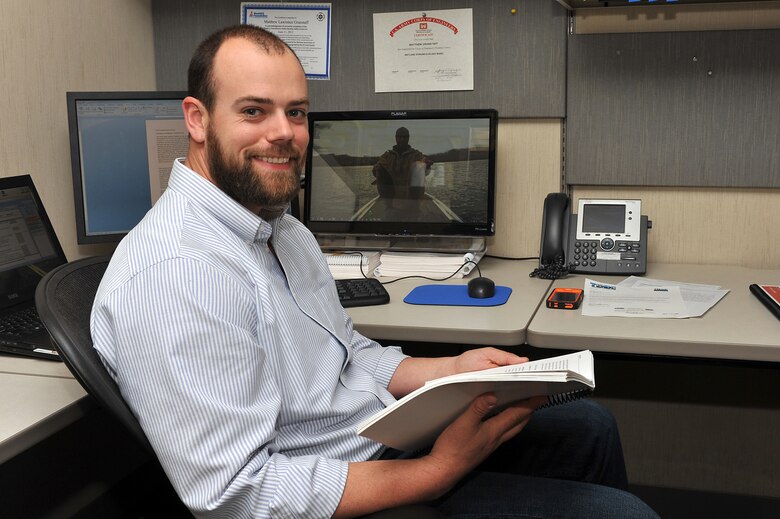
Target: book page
x: 580, y: 363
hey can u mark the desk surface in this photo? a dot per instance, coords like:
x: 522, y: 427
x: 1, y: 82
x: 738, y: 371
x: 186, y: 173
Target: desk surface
x: 738, y: 327
x: 39, y: 397
x: 503, y: 325
x: 29, y: 366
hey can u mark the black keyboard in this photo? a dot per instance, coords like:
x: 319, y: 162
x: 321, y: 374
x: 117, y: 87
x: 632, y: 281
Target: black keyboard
x: 361, y: 292
x: 21, y: 323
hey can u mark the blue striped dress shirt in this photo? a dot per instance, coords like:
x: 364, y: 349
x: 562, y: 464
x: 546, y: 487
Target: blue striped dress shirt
x: 240, y: 364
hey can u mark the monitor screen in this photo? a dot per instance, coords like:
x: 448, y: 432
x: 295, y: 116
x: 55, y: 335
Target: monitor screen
x: 28, y: 245
x: 122, y: 147
x: 401, y: 173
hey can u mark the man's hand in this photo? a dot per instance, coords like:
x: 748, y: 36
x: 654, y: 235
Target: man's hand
x: 413, y: 372
x: 382, y: 484
x: 471, y: 438
x: 463, y: 445
x: 475, y: 360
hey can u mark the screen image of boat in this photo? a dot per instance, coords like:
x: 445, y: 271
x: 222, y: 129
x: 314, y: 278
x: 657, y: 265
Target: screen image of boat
x: 416, y: 171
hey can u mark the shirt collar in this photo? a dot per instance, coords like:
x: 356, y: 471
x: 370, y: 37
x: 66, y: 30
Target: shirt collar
x: 248, y: 226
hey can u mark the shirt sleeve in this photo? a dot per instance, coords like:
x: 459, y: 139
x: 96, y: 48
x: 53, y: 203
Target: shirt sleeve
x: 381, y: 361
x: 187, y: 360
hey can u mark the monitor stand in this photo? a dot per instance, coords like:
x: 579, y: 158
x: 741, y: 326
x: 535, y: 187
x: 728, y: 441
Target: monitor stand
x: 442, y: 244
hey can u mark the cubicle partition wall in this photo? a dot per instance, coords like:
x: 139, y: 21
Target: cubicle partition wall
x: 519, y: 59
x: 674, y: 109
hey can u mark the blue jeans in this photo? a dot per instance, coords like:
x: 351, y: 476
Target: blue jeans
x: 566, y: 463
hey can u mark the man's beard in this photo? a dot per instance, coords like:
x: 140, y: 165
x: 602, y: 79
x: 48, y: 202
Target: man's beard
x: 242, y: 184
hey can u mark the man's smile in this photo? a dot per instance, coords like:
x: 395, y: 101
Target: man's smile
x: 273, y: 160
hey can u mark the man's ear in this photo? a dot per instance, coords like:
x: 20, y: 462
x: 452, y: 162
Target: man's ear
x: 195, y: 118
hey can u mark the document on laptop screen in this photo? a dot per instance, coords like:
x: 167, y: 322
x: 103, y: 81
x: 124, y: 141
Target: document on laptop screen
x: 23, y: 238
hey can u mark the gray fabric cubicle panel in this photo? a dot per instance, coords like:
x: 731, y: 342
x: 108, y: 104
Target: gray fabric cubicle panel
x: 519, y: 60
x: 674, y: 109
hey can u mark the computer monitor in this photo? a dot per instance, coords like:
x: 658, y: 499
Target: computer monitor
x: 122, y: 147
x: 401, y: 173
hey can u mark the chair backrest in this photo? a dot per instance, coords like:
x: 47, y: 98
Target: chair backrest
x: 64, y: 301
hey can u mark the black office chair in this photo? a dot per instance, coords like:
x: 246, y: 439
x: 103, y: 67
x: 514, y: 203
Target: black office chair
x: 64, y: 301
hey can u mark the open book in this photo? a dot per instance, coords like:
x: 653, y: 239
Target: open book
x: 416, y: 420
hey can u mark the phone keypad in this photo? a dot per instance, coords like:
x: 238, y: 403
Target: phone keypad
x: 607, y: 252
x: 585, y: 253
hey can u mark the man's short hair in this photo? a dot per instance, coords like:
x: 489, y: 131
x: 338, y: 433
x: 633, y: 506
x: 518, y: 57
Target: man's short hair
x: 200, y: 78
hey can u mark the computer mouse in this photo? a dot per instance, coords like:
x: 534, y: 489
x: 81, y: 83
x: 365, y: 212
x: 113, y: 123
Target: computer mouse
x: 481, y: 288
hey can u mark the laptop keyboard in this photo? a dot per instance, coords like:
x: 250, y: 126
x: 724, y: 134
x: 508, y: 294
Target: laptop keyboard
x: 361, y: 292
x: 21, y: 323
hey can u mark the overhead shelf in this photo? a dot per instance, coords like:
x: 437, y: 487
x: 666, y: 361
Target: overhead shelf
x: 587, y: 4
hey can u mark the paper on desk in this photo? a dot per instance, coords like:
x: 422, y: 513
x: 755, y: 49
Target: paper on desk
x: 697, y: 298
x: 605, y: 299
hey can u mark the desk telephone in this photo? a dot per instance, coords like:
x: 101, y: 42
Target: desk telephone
x: 603, y: 237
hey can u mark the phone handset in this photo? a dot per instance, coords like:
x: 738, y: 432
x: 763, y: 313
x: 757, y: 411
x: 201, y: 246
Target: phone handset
x: 555, y: 224
x: 604, y: 236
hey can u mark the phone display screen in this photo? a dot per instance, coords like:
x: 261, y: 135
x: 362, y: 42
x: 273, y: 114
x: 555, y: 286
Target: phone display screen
x: 604, y: 218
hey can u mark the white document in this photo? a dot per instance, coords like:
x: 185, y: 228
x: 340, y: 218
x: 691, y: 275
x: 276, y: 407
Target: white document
x: 424, y: 51
x: 166, y: 141
x: 605, y: 300
x: 697, y: 298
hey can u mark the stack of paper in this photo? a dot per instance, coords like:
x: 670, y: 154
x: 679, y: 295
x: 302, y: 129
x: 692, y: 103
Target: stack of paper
x: 352, y: 264
x: 644, y: 297
x: 429, y: 264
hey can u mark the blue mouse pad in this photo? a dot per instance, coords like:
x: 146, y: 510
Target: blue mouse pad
x: 454, y: 295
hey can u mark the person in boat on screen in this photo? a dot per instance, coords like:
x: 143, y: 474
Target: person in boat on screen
x: 400, y: 172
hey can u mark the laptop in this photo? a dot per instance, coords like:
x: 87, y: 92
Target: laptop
x: 28, y: 250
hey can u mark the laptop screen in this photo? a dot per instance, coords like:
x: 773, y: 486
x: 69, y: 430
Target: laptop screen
x: 28, y: 246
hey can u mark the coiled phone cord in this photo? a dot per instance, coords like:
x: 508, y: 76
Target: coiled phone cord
x: 555, y: 270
